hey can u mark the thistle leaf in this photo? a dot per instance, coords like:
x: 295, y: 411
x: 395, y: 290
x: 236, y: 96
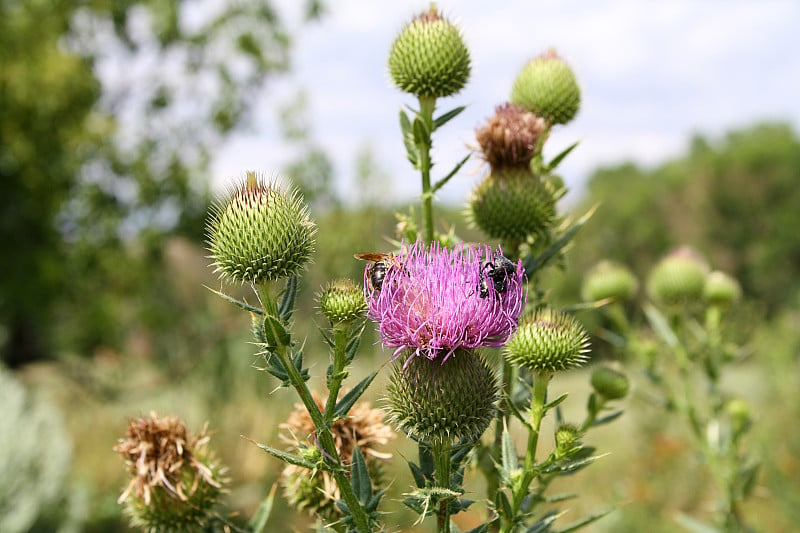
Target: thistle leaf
x: 344, y: 405
x: 444, y: 118
x: 261, y: 516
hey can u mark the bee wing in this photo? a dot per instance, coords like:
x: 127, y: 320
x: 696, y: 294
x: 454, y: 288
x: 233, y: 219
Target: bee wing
x: 371, y: 256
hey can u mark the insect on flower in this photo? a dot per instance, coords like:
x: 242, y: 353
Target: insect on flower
x: 377, y: 270
x: 498, y: 270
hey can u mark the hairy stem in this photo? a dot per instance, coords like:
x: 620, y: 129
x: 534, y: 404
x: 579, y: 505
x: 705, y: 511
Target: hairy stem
x: 424, y: 145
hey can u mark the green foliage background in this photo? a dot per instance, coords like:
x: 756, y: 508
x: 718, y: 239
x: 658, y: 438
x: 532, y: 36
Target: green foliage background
x: 104, y: 316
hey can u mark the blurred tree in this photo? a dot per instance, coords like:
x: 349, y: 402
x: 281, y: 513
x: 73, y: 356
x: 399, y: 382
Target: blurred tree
x: 735, y: 200
x: 109, y: 111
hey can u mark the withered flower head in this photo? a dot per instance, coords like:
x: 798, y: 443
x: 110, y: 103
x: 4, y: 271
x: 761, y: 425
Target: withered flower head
x: 175, y: 481
x: 512, y: 137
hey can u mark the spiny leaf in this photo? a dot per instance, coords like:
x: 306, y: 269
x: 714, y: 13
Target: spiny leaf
x: 444, y: 118
x: 343, y: 406
x: 557, y: 159
x: 543, y: 524
x: 660, y: 325
x: 585, y: 521
x: 510, y: 458
x: 286, y: 302
x: 359, y: 476
x: 556, y: 402
x: 275, y: 332
x: 237, y: 303
x: 532, y: 264
x: 284, y: 456
x: 439, y: 184
x: 261, y: 516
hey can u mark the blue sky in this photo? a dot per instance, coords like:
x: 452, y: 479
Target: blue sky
x: 652, y: 74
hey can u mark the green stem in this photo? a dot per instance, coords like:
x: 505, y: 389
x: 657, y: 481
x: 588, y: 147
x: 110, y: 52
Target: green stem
x: 326, y: 442
x: 538, y: 401
x: 441, y: 458
x: 426, y: 107
x: 501, y: 421
x: 337, y: 372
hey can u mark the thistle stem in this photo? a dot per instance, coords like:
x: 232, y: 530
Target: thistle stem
x: 326, y: 442
x: 538, y: 401
x: 424, y: 145
x: 337, y: 372
x: 441, y: 457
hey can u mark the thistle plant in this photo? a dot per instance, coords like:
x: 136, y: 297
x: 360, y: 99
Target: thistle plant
x: 473, y: 338
x: 683, y: 353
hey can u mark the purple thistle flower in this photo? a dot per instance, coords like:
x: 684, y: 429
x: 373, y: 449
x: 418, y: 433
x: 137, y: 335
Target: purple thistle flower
x: 430, y: 301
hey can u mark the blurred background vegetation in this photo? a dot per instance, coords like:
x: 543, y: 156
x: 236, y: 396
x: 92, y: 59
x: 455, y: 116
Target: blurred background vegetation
x: 104, y: 189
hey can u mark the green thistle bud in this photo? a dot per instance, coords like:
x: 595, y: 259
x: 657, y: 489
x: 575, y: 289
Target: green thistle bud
x: 721, y: 289
x: 608, y: 280
x: 547, y: 87
x: 511, y: 137
x: 548, y: 341
x: 739, y: 413
x: 679, y: 278
x: 567, y: 438
x: 429, y: 58
x: 609, y: 383
x: 175, y: 481
x: 342, y: 301
x: 260, y: 232
x: 510, y: 204
x: 443, y: 402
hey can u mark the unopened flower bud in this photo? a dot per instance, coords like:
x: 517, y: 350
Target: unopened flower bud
x: 679, y: 278
x: 609, y: 383
x: 608, y: 280
x: 510, y: 204
x: 721, y: 289
x: 175, y: 481
x: 429, y: 58
x: 548, y: 341
x: 567, y: 438
x: 739, y: 413
x: 446, y: 401
x: 547, y: 87
x: 260, y: 232
x: 342, y: 301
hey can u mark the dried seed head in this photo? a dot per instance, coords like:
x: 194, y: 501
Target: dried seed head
x: 511, y: 137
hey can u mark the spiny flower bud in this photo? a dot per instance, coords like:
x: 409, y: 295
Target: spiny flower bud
x: 547, y: 87
x: 608, y: 279
x: 443, y: 402
x: 548, y: 341
x: 721, y: 289
x: 342, y: 301
x: 679, y: 278
x: 260, y: 232
x: 511, y: 137
x: 175, y: 480
x: 567, y: 438
x: 510, y: 204
x: 609, y: 383
x: 429, y: 58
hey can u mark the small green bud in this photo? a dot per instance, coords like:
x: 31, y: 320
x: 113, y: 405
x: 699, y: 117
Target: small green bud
x: 510, y: 204
x: 567, y: 438
x: 444, y: 402
x: 511, y: 137
x: 260, y: 232
x: 548, y: 341
x: 342, y: 301
x: 679, y: 278
x: 609, y: 383
x: 721, y: 289
x: 547, y: 87
x: 608, y: 279
x: 429, y: 58
x: 739, y: 413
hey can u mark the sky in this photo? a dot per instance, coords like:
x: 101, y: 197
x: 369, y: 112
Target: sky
x: 652, y: 74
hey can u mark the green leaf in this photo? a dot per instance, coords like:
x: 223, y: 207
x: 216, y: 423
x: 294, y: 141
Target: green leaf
x: 543, y: 524
x: 660, y: 325
x: 693, y: 525
x: 555, y: 498
x: 259, y: 520
x: 421, y: 134
x: 510, y: 458
x: 285, y: 456
x: 748, y: 476
x: 418, y: 475
x: 439, y: 184
x: 286, y: 303
x: 275, y: 333
x: 560, y: 157
x: 444, y: 118
x: 532, y: 264
x: 585, y: 521
x: 608, y: 418
x: 502, y: 505
x: 556, y: 402
x: 237, y: 303
x: 343, y: 406
x: 412, y: 152
x: 359, y: 477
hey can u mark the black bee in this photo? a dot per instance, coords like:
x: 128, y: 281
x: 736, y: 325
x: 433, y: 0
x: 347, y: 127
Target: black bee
x: 498, y: 270
x: 377, y: 270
